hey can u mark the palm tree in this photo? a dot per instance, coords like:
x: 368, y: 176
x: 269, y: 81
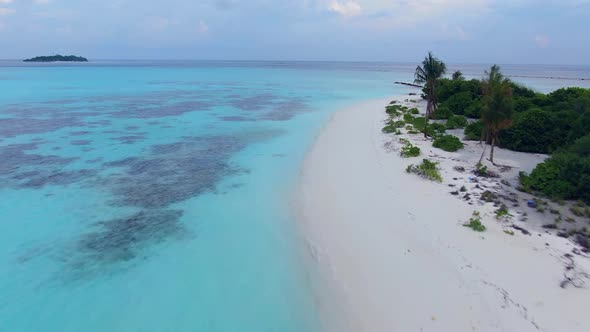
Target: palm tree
x: 497, y: 106
x: 429, y: 73
x: 458, y: 76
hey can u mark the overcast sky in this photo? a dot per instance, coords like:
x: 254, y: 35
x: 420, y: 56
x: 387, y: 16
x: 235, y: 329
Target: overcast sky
x: 473, y: 31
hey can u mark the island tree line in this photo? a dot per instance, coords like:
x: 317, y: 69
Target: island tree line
x: 500, y: 112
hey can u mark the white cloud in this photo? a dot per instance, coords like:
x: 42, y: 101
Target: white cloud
x: 6, y: 11
x: 4, y: 2
x: 348, y: 8
x: 542, y: 41
x: 387, y: 14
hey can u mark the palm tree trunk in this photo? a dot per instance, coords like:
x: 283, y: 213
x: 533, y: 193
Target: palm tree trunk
x: 492, y: 149
x: 427, y: 116
x: 483, y: 153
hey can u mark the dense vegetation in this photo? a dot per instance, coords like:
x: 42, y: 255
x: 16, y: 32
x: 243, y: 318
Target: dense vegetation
x: 565, y: 175
x: 448, y: 143
x: 456, y: 121
x: 557, y: 123
x: 541, y: 123
x: 54, y: 58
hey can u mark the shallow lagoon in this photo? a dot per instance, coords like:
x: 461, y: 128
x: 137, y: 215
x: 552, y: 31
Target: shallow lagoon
x: 139, y: 196
x: 155, y: 198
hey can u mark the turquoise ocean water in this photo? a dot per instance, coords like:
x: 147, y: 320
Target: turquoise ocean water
x: 154, y: 196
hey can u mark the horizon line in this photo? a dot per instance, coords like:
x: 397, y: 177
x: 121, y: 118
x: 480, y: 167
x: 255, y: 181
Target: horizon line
x: 338, y: 61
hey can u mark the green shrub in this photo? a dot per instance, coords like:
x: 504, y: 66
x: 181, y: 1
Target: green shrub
x: 408, y: 118
x: 389, y: 129
x: 435, y: 130
x: 473, y: 131
x: 443, y: 113
x: 414, y: 111
x: 393, y: 126
x: 532, y: 131
x: 502, y: 211
x: 459, y: 102
x: 394, y: 110
x: 447, y: 88
x: 481, y: 170
x: 409, y: 150
x: 456, y: 121
x: 418, y: 123
x: 427, y: 170
x: 475, y: 223
x: 474, y: 110
x: 448, y: 143
x: 565, y: 175
x: 577, y: 211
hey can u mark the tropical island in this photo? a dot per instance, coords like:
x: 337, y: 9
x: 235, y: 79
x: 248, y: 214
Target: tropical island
x: 57, y: 58
x: 497, y: 112
x: 462, y: 194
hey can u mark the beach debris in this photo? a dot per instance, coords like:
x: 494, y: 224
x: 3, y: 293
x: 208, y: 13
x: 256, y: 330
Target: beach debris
x: 488, y: 196
x: 583, y: 241
x: 531, y: 203
x: 460, y: 169
x: 409, y: 84
x: 502, y: 212
x: 509, y: 198
x: 483, y: 171
x: 572, y: 275
x: 521, y: 229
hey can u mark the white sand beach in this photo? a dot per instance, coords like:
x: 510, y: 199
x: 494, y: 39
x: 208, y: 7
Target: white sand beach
x: 391, y: 253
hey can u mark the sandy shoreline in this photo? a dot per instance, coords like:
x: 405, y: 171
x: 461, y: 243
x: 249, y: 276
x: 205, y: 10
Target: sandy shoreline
x: 390, y: 253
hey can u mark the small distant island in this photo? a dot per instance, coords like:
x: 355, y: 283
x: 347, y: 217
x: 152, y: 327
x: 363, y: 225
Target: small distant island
x: 55, y: 58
